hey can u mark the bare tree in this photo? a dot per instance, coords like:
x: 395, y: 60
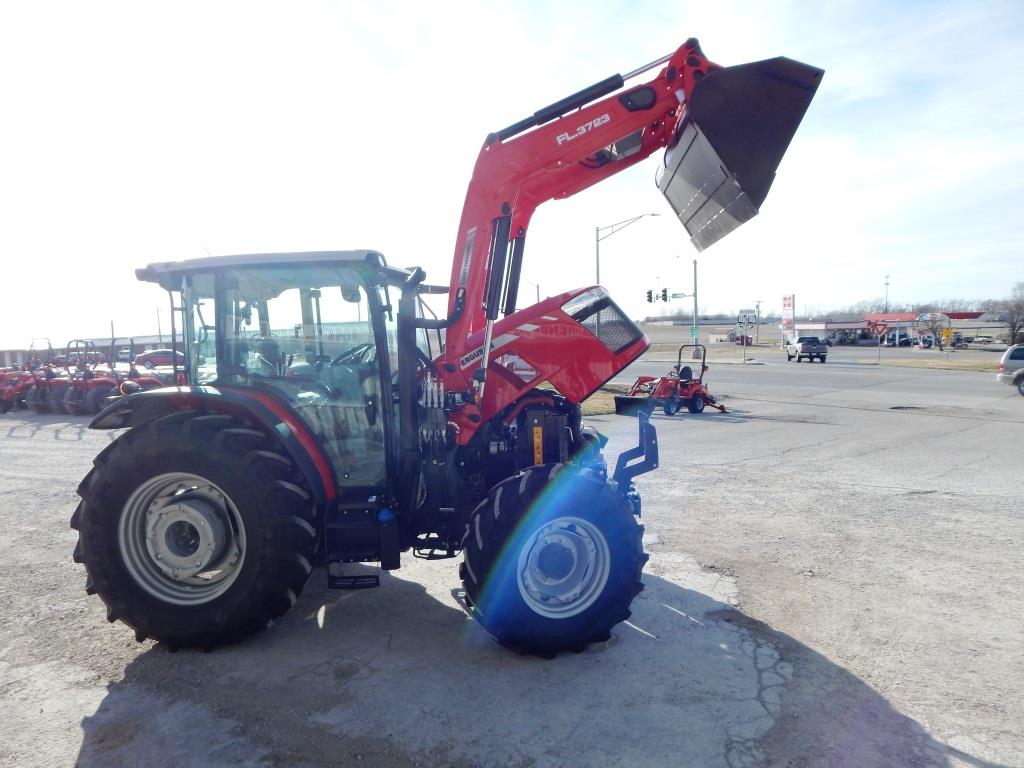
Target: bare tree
x: 1014, y: 309
x: 936, y: 323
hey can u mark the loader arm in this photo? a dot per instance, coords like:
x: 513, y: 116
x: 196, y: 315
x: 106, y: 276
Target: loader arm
x: 714, y: 181
x: 553, y: 154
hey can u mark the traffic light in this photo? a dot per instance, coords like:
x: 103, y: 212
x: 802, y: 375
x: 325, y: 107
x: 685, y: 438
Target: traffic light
x: 664, y: 294
x: 650, y: 297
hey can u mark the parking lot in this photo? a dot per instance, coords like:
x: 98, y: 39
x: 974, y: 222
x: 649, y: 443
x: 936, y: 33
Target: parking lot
x: 833, y: 580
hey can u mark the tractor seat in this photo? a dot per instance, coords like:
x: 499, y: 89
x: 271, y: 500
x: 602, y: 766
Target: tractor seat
x: 685, y: 373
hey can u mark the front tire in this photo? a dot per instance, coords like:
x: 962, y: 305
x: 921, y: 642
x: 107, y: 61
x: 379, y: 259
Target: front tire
x: 1020, y: 385
x: 195, y: 530
x: 671, y: 408
x: 553, y: 559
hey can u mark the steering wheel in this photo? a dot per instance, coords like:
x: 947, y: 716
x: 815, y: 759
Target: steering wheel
x: 350, y: 355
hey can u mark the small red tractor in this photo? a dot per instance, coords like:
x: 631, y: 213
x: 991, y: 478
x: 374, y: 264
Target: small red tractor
x: 51, y: 381
x: 13, y: 385
x: 327, y: 420
x: 672, y: 391
x: 91, y: 388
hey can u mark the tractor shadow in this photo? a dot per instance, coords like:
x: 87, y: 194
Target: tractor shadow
x: 399, y: 676
x: 27, y: 425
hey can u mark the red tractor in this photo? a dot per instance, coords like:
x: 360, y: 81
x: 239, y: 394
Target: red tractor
x: 91, y: 388
x: 673, y: 391
x: 52, y: 381
x: 327, y: 420
x: 13, y: 386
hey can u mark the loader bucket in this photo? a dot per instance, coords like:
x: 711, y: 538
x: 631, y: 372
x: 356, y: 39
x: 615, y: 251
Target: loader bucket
x: 736, y: 129
x: 631, y: 406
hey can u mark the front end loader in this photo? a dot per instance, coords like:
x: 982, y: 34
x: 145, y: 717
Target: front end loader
x: 328, y: 418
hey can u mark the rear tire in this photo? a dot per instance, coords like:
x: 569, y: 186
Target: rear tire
x: 56, y: 398
x: 96, y: 400
x: 74, y: 401
x: 36, y: 399
x: 821, y: 359
x: 1020, y: 385
x: 553, y: 559
x: 696, y: 404
x: 789, y: 358
x: 195, y: 530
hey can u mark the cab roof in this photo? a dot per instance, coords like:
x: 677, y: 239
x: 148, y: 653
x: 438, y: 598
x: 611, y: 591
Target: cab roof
x: 168, y: 274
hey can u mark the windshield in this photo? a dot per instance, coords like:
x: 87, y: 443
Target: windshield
x: 279, y: 321
x: 307, y: 334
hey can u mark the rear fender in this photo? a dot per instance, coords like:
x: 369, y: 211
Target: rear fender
x: 139, y: 409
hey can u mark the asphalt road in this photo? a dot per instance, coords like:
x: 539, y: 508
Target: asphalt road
x: 833, y: 580
x: 848, y: 376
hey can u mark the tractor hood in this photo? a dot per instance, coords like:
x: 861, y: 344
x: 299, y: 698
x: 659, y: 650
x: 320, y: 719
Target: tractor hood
x: 729, y: 142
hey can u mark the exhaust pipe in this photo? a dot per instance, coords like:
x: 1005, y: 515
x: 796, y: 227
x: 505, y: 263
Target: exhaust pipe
x: 731, y: 140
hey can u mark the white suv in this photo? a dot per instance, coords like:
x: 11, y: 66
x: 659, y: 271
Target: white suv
x: 1011, y: 368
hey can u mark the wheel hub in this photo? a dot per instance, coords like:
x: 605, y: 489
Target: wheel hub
x: 556, y: 560
x: 184, y: 537
x: 563, y: 567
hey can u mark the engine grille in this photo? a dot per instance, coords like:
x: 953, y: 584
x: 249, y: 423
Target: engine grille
x: 602, y: 317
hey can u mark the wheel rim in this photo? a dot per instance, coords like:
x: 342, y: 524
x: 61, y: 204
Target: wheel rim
x: 563, y: 568
x: 182, y: 539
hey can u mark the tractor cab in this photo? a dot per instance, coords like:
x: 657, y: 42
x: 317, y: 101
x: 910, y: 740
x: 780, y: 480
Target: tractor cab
x: 311, y: 334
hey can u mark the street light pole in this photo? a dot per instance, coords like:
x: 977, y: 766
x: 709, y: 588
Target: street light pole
x: 887, y: 294
x: 610, y: 230
x: 696, y: 338
x: 757, y: 322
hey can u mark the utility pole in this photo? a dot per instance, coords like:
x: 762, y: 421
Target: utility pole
x: 693, y: 326
x: 887, y: 294
x: 757, y: 324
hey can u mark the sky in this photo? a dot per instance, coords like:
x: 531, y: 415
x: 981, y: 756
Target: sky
x: 135, y: 132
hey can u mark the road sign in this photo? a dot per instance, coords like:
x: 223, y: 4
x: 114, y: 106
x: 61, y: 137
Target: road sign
x: 693, y: 332
x: 681, y: 295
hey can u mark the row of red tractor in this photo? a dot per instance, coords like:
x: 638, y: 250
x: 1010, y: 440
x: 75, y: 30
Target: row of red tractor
x: 77, y: 382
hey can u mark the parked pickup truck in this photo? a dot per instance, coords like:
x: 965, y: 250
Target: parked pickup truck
x: 806, y: 346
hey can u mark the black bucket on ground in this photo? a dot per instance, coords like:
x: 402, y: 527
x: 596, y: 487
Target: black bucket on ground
x: 736, y: 129
x: 631, y: 406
